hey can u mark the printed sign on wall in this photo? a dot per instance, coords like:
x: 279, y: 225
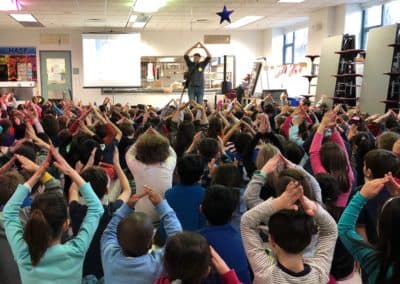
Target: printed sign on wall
x: 18, y: 64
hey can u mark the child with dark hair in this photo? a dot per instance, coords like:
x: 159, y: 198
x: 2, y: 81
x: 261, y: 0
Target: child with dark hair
x: 218, y: 206
x: 294, y: 153
x: 127, y: 140
x: 99, y: 180
x: 379, y: 262
x: 376, y: 164
x: 343, y: 262
x: 187, y: 260
x: 209, y: 149
x: 332, y: 157
x: 37, y: 247
x: 185, y: 197
x: 229, y: 175
x: 291, y: 225
x: 127, y: 240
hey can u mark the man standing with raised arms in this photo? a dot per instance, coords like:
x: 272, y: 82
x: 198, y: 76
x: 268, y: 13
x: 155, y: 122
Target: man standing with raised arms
x: 196, y: 69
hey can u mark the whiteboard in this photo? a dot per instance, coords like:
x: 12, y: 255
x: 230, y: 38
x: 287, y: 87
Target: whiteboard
x: 329, y: 64
x: 378, y: 61
x: 111, y: 60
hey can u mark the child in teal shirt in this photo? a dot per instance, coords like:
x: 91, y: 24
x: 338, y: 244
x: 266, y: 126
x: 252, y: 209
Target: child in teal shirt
x: 37, y: 248
x: 380, y: 263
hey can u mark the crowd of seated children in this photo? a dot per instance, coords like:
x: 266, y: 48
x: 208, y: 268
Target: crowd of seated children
x: 188, y: 193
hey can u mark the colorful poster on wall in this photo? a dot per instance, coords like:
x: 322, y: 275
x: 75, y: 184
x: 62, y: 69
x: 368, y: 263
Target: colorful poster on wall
x: 18, y: 64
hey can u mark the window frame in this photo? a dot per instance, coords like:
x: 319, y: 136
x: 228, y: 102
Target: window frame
x: 286, y: 46
x: 365, y: 30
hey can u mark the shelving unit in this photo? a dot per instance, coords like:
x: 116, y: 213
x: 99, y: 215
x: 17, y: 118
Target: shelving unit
x: 346, y: 77
x: 393, y: 94
x: 313, y: 75
x: 166, y: 70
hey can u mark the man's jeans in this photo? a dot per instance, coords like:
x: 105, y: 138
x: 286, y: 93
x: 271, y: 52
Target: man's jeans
x: 196, y: 94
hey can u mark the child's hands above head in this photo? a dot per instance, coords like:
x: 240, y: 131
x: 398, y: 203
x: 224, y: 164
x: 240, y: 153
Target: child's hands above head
x: 328, y: 120
x: 373, y: 187
x: 8, y: 165
x: 264, y: 125
x: 288, y: 164
x: 65, y: 168
x: 90, y: 162
x: 271, y: 165
x: 393, y: 185
x: 39, y: 171
x: 309, y: 206
x: 337, y: 108
x: 219, y: 264
x: 27, y: 164
x: 135, y: 198
x: 289, y: 197
x: 60, y: 162
x: 153, y: 196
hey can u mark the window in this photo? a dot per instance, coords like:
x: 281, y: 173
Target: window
x: 392, y: 13
x: 372, y: 18
x: 300, y: 45
x: 295, y: 46
x: 288, y: 48
x: 377, y: 16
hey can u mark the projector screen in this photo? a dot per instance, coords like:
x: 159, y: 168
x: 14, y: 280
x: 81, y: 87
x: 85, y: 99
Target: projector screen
x: 111, y: 60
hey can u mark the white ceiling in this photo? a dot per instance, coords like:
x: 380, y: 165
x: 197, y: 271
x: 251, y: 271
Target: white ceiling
x: 176, y: 15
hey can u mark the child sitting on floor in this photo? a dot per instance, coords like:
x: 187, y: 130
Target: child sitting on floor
x: 218, y: 206
x: 290, y: 232
x: 187, y: 260
x: 37, y: 247
x: 185, y: 198
x: 126, y: 242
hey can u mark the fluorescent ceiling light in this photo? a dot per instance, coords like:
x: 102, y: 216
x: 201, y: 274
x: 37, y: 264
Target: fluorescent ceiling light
x: 243, y: 22
x: 23, y: 17
x: 132, y: 18
x: 290, y: 1
x: 10, y: 5
x: 139, y: 25
x: 148, y: 6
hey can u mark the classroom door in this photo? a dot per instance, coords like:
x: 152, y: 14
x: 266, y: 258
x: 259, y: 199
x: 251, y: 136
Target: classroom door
x: 55, y: 75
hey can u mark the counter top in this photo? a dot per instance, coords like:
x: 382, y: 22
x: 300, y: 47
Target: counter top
x: 151, y: 91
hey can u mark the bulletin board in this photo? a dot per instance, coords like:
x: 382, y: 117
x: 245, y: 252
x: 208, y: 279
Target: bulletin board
x: 18, y: 64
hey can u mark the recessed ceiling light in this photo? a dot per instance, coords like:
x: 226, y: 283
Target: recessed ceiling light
x: 139, y: 25
x: 23, y: 18
x: 290, y: 1
x: 148, y: 6
x: 132, y: 18
x: 243, y: 22
x: 10, y: 5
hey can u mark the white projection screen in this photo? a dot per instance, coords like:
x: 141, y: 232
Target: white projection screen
x: 111, y: 60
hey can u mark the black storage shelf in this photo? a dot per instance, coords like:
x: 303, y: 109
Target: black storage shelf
x: 313, y: 74
x: 346, y: 84
x: 393, y: 94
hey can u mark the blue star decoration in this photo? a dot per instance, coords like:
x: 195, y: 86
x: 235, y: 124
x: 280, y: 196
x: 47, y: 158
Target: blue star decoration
x: 225, y: 14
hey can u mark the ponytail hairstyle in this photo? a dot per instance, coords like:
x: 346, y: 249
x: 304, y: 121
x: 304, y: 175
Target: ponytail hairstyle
x: 45, y: 224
